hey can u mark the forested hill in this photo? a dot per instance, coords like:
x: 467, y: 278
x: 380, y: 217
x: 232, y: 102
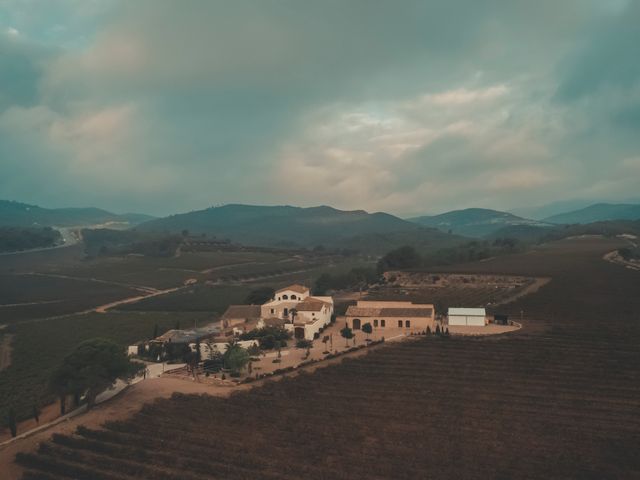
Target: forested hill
x: 18, y: 214
x: 16, y: 239
x: 474, y: 222
x: 297, y: 226
x: 598, y: 213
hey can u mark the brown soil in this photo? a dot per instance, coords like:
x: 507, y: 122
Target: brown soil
x: 5, y: 350
x: 119, y: 408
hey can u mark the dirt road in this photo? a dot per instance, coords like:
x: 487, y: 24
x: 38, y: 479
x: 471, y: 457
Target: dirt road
x: 125, y: 404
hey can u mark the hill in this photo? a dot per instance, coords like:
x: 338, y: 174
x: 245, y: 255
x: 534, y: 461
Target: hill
x: 287, y: 226
x: 474, y: 222
x: 18, y: 214
x: 597, y: 213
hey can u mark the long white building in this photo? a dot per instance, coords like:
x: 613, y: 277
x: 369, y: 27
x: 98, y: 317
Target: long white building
x: 467, y: 316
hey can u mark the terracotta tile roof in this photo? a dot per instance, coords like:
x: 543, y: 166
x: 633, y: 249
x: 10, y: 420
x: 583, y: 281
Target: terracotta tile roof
x: 416, y: 311
x: 274, y: 322
x: 406, y: 312
x: 294, y: 288
x: 242, y: 311
x: 310, y: 304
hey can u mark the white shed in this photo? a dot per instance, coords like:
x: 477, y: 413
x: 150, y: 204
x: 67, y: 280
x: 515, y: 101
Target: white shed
x: 467, y: 316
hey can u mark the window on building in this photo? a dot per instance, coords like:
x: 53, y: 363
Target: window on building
x: 293, y: 297
x: 407, y: 323
x: 285, y: 297
x: 383, y: 323
x: 375, y: 323
x: 400, y: 323
x: 273, y: 310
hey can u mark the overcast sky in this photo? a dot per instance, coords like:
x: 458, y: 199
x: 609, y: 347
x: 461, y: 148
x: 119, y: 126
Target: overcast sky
x: 403, y: 106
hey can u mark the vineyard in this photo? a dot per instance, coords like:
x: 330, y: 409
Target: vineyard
x: 560, y: 399
x: 470, y: 291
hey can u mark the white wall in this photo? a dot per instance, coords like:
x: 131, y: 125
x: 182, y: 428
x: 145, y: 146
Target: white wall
x: 476, y: 321
x: 219, y: 347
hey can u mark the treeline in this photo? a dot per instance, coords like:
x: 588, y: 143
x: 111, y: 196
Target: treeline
x: 629, y: 253
x: 407, y: 257
x: 15, y: 239
x: 107, y: 242
x: 473, y: 251
x: 355, y: 278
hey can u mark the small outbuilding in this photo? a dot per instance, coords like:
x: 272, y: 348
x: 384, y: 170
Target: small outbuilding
x: 476, y: 317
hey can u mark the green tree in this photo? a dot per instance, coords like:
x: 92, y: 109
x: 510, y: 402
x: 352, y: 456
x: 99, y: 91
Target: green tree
x: 92, y: 367
x: 346, y: 333
x: 400, y: 258
x: 367, y: 328
x: 260, y: 295
x: 236, y: 357
x: 325, y: 339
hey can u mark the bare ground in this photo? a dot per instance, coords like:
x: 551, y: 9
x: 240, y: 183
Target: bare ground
x: 5, y: 350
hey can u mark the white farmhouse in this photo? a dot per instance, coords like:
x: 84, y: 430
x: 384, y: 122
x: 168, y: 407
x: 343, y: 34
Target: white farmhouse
x: 291, y: 307
x: 467, y: 317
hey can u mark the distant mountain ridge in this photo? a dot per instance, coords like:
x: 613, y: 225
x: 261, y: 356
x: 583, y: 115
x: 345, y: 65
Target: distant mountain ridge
x: 597, y: 213
x: 297, y: 226
x: 475, y: 222
x: 18, y: 214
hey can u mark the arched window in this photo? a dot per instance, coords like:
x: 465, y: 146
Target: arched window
x: 356, y: 324
x: 293, y: 297
x: 285, y: 297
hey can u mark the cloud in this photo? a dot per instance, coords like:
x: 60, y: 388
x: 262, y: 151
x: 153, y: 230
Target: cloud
x: 407, y: 107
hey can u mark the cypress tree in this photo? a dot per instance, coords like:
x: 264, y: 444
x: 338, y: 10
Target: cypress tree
x: 36, y: 413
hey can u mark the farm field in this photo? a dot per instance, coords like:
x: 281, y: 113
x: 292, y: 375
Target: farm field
x: 446, y: 290
x: 198, y: 298
x: 558, y: 399
x: 39, y: 347
x: 24, y: 297
x: 236, y: 284
x: 44, y: 295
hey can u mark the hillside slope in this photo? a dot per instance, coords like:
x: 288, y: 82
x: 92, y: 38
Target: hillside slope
x: 18, y: 214
x: 597, y: 213
x: 295, y: 226
x: 474, y: 222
